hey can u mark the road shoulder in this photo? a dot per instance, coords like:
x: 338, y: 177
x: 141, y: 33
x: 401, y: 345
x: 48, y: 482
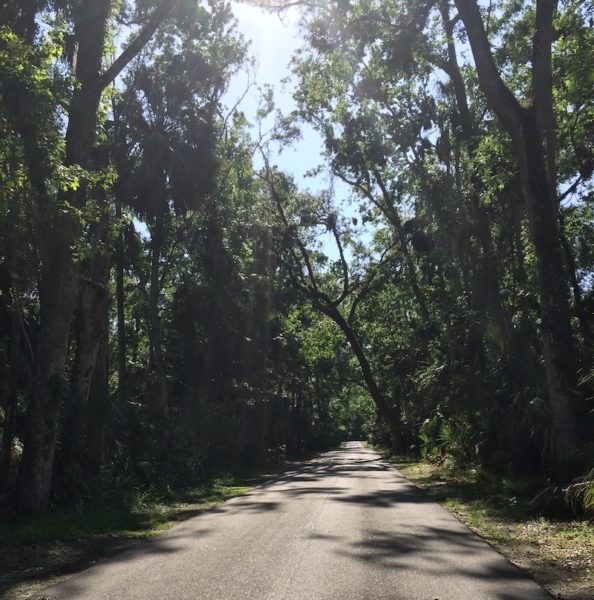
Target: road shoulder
x: 558, y: 554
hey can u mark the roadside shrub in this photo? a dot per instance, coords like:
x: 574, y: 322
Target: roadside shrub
x: 580, y: 495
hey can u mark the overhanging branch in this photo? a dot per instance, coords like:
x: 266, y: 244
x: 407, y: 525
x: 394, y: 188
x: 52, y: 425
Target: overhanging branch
x: 135, y: 47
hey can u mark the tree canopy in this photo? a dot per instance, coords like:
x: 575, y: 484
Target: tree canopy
x: 172, y: 304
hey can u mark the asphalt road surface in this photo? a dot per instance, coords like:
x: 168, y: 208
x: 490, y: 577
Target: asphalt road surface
x: 344, y: 525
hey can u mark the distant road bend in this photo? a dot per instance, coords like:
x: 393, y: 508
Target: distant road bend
x: 342, y: 526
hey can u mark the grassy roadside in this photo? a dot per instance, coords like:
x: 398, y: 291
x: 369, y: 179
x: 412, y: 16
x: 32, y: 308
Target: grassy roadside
x: 559, y: 554
x: 35, y: 553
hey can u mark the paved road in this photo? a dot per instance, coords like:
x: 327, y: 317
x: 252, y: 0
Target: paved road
x: 342, y: 526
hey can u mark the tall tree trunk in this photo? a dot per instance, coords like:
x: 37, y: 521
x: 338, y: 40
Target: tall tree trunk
x: 157, y: 360
x: 98, y: 405
x: 90, y: 318
x: 15, y: 352
x: 542, y: 86
x: 120, y: 300
x: 558, y: 346
x: 57, y: 299
x: 9, y: 389
x: 557, y: 337
x: 59, y: 271
x: 584, y: 318
x: 489, y: 288
x: 90, y: 327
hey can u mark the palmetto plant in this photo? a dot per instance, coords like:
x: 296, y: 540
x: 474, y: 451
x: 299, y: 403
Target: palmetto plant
x: 580, y: 495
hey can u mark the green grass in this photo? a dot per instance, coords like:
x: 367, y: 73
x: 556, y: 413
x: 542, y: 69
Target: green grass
x: 36, y: 552
x: 494, y: 495
x: 557, y: 552
x: 143, y: 514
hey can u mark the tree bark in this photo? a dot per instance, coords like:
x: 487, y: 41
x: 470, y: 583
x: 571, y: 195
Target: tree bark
x: 489, y: 289
x: 557, y: 337
x: 90, y: 320
x: 542, y: 85
x: 90, y: 327
x: 98, y: 405
x: 9, y: 386
x: 157, y: 362
x: 59, y: 270
x: 558, y: 347
x: 120, y: 300
x: 388, y: 413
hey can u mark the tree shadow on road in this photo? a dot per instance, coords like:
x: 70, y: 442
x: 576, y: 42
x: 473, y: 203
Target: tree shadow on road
x: 448, y: 555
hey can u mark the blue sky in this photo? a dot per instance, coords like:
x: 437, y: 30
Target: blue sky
x: 273, y: 41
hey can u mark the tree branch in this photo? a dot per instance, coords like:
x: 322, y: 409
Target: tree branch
x: 501, y: 99
x: 275, y: 196
x: 572, y: 188
x: 345, y: 268
x: 542, y: 83
x: 135, y: 47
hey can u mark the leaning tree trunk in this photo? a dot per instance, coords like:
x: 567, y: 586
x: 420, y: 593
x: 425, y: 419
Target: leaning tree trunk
x: 388, y: 413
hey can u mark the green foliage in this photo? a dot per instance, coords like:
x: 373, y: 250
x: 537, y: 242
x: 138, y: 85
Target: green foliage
x: 139, y: 513
x: 213, y: 342
x: 502, y: 510
x: 580, y: 495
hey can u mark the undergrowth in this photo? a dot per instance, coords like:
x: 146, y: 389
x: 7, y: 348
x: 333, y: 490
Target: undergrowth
x: 140, y: 512
x: 36, y: 552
